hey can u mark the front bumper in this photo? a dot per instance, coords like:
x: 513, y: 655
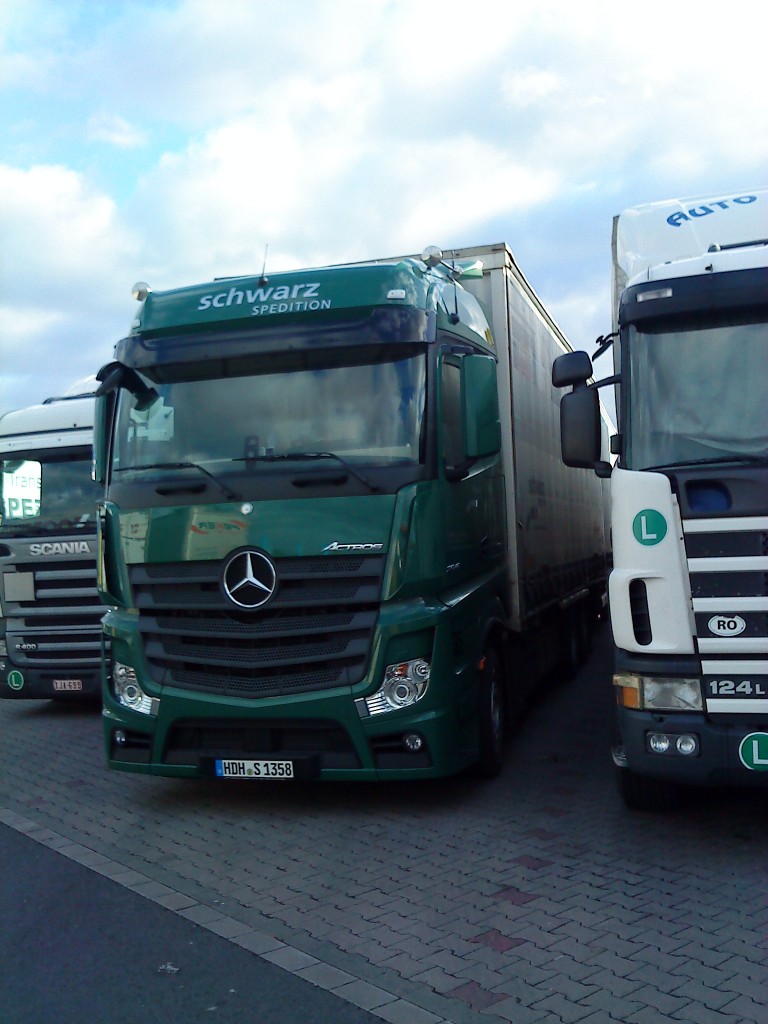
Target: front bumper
x: 718, y: 760
x: 323, y: 736
x: 64, y: 683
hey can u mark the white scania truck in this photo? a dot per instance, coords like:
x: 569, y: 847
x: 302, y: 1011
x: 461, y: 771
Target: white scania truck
x: 50, y: 623
x: 689, y: 589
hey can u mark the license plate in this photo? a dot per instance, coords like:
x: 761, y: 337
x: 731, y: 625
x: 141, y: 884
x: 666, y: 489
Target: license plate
x: 238, y: 769
x: 67, y: 685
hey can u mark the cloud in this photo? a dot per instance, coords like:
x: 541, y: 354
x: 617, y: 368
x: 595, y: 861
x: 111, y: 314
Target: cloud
x: 317, y: 185
x: 59, y: 279
x: 530, y: 86
x: 334, y: 130
x: 115, y: 130
x: 63, y: 228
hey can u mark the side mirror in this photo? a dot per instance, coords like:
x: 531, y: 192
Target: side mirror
x: 102, y: 431
x: 117, y: 375
x: 571, y: 368
x: 580, y: 436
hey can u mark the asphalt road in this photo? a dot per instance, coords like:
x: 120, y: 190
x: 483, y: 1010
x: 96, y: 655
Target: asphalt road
x: 76, y: 947
x: 536, y: 898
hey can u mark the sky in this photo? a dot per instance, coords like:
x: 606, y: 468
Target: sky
x: 172, y: 141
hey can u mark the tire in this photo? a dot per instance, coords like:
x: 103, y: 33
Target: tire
x: 585, y: 631
x: 644, y: 793
x: 570, y: 645
x: 492, y: 716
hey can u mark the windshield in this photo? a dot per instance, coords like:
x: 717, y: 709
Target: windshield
x: 370, y: 413
x: 697, y: 392
x: 50, y: 494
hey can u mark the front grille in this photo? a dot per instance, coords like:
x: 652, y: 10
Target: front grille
x: 314, y: 634
x: 728, y: 566
x: 710, y: 544
x: 60, y: 625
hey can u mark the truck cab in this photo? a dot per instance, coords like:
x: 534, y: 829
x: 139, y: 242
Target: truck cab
x: 688, y: 597
x: 329, y: 532
x: 50, y: 631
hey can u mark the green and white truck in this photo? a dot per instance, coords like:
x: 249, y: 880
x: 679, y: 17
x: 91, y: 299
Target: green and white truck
x: 338, y: 541
x: 689, y: 588
x: 50, y: 623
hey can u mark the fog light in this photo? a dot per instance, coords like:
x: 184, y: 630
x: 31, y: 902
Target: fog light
x: 659, y: 742
x: 413, y: 742
x: 120, y: 738
x: 687, y: 745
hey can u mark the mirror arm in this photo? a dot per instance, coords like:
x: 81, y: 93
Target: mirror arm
x: 603, y: 343
x: 615, y: 379
x: 454, y: 473
x: 118, y: 375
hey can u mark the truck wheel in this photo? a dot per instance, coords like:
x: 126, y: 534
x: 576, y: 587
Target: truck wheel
x: 585, y: 631
x: 643, y: 793
x: 570, y: 645
x: 491, y: 716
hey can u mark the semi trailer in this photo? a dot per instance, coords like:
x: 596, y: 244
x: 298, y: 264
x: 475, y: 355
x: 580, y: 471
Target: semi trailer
x: 337, y: 540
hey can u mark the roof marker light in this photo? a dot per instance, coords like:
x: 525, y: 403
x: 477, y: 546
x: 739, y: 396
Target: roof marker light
x: 140, y: 291
x: 658, y: 293
x: 432, y: 255
x: 396, y: 293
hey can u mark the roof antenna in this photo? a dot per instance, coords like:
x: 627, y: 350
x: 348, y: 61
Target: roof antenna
x: 263, y: 278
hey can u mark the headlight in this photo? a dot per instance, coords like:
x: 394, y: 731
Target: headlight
x: 128, y: 692
x: 658, y: 693
x: 404, y: 684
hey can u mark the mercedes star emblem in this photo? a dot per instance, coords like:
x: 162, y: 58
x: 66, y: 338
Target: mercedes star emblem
x: 249, y: 579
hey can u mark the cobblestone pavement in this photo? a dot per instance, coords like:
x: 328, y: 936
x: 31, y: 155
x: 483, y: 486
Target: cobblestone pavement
x: 535, y: 897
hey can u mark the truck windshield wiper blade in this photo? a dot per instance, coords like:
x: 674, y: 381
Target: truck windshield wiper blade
x: 299, y: 456
x: 716, y: 460
x: 227, y: 491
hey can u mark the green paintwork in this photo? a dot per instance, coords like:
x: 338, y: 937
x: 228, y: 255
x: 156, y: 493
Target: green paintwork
x: 283, y: 528
x: 303, y: 294
x: 437, y: 602
x: 445, y: 578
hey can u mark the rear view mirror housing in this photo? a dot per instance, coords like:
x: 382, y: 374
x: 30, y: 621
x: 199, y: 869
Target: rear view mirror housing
x: 571, y: 368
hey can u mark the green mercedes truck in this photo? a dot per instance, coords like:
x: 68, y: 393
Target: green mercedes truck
x: 337, y: 540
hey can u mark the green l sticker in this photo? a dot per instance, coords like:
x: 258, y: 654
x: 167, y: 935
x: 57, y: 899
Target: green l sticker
x: 753, y: 751
x: 649, y: 527
x: 15, y: 680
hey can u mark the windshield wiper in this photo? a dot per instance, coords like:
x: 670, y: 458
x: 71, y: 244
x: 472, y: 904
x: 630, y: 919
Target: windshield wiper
x: 300, y: 456
x: 227, y: 491
x: 716, y: 460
